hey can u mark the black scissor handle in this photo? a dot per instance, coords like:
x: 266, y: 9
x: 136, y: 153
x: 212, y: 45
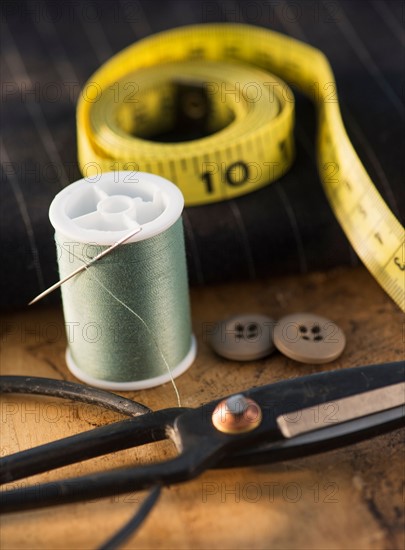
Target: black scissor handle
x: 117, y: 436
x: 30, y: 385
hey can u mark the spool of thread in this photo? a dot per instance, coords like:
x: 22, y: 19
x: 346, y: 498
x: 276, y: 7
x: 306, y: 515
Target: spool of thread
x: 128, y: 315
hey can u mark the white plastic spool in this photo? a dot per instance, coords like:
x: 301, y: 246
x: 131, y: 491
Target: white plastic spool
x: 102, y: 210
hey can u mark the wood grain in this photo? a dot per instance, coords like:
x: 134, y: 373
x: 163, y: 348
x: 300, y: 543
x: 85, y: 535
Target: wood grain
x: 351, y: 498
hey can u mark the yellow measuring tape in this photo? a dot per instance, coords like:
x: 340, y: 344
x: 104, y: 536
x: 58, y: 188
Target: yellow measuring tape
x: 247, y: 114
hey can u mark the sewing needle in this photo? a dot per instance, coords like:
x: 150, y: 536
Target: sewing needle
x: 85, y: 266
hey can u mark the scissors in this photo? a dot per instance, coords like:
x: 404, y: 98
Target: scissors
x: 281, y: 421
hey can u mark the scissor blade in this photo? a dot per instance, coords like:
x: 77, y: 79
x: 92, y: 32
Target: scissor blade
x: 371, y: 402
x: 342, y: 410
x: 316, y: 390
x: 319, y: 441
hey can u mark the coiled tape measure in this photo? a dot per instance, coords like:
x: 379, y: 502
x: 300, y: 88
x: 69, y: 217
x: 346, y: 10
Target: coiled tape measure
x: 246, y: 116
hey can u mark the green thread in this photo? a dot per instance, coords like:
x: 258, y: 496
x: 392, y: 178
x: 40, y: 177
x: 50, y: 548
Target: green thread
x: 127, y: 316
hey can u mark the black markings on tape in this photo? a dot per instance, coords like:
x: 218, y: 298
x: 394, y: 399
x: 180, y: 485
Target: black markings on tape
x: 235, y: 174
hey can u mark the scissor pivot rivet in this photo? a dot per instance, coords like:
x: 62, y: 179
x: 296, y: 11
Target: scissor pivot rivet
x: 237, y: 414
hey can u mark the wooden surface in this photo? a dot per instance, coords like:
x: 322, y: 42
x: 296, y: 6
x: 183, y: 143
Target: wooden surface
x: 349, y: 498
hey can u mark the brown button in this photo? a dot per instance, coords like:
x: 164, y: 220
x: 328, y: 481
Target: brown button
x: 243, y: 337
x: 309, y: 338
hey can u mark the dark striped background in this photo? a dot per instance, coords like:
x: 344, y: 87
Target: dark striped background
x: 50, y: 49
